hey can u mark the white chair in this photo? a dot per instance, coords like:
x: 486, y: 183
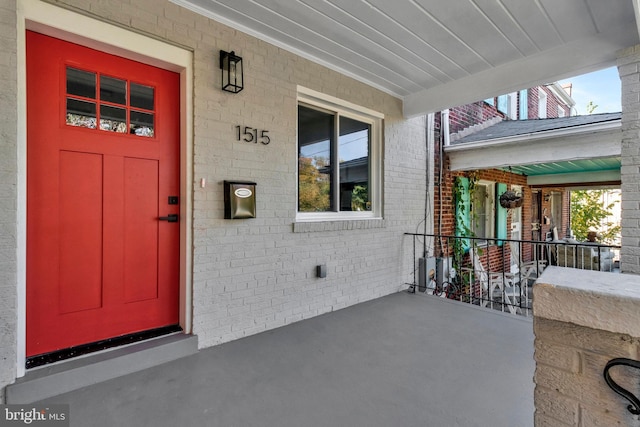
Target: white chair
x: 495, y: 285
x: 530, y: 270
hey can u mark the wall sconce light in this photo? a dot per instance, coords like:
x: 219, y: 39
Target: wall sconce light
x: 547, y: 197
x: 232, y: 73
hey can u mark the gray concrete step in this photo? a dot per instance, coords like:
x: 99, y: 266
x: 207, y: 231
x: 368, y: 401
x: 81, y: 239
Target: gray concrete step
x: 51, y: 380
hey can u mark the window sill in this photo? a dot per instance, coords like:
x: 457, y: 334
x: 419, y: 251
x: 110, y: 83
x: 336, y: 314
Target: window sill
x: 337, y: 225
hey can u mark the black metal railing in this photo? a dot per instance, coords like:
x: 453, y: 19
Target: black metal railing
x: 497, y: 273
x: 634, y: 406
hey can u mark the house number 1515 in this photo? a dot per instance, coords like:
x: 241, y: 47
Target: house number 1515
x: 249, y: 134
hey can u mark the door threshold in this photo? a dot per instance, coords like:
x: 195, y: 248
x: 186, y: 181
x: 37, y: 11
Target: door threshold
x: 93, y: 347
x: 72, y: 374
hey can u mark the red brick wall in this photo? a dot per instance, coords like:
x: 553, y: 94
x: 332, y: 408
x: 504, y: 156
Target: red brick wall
x: 462, y: 117
x: 553, y: 104
x: 444, y: 209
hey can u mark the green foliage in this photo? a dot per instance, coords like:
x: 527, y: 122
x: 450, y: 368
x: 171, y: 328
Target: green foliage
x: 460, y: 246
x: 588, y: 214
x: 313, y: 187
x: 460, y: 210
x: 360, y: 198
x: 591, y: 107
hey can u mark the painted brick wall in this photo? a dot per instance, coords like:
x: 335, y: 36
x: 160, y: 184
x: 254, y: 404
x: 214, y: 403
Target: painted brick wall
x: 8, y: 192
x: 464, y: 116
x: 254, y: 275
x: 582, y: 320
x: 629, y: 70
x: 570, y: 389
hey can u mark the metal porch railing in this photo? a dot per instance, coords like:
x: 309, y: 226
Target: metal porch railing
x: 497, y: 273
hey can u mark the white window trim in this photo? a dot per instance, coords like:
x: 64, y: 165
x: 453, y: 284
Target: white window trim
x: 512, y: 102
x: 542, y: 103
x: 366, y: 115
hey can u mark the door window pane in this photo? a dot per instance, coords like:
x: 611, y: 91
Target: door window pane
x: 142, y: 124
x: 353, y: 149
x: 81, y: 83
x: 113, y: 90
x: 113, y: 93
x: 113, y: 119
x: 142, y: 96
x: 81, y: 113
x: 315, y: 135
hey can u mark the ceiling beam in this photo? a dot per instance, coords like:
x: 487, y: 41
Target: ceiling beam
x: 565, y: 61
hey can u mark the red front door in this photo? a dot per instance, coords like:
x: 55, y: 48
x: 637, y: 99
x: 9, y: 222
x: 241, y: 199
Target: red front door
x: 102, y: 168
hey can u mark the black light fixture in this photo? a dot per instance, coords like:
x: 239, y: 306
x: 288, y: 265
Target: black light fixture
x: 232, y: 73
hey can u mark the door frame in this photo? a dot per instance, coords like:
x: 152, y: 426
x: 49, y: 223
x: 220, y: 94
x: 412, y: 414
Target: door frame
x: 81, y: 29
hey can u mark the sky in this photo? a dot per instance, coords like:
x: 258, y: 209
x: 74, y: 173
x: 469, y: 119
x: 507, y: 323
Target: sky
x: 601, y: 87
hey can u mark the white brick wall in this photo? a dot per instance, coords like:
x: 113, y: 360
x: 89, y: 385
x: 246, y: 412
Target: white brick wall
x: 8, y: 192
x: 570, y: 389
x: 628, y: 68
x: 582, y: 320
x: 258, y: 274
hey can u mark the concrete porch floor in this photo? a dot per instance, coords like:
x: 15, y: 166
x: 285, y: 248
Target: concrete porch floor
x: 401, y: 360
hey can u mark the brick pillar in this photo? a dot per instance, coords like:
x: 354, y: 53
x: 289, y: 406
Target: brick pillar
x: 582, y: 320
x: 629, y: 70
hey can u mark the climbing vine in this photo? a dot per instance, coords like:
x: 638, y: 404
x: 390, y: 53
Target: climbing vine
x: 462, y: 228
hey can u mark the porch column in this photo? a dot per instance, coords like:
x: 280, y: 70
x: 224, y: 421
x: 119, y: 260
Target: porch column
x: 629, y: 70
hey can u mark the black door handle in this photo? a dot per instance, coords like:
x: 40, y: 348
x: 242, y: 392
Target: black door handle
x: 169, y: 218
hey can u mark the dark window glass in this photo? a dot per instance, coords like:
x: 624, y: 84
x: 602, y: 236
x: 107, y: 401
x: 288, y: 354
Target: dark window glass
x: 479, y: 212
x: 81, y: 113
x: 353, y: 152
x: 113, y: 119
x: 315, y: 159
x: 142, y: 124
x: 142, y: 96
x: 113, y: 90
x: 115, y: 114
x: 81, y: 83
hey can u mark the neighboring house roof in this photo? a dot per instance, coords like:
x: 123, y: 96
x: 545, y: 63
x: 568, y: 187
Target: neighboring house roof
x: 511, y: 128
x: 576, y: 150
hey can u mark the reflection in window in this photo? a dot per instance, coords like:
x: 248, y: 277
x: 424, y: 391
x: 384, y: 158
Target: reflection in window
x: 81, y: 83
x: 113, y: 111
x: 113, y: 119
x: 141, y: 124
x: 318, y: 152
x: 113, y: 90
x: 353, y: 146
x: 482, y: 212
x: 81, y: 113
x: 479, y: 208
x: 314, y: 160
x: 141, y: 96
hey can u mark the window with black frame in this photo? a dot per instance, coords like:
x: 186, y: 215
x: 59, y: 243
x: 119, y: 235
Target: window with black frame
x: 334, y: 161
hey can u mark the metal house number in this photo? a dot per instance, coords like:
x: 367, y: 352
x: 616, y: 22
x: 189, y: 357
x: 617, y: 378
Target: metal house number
x: 249, y: 134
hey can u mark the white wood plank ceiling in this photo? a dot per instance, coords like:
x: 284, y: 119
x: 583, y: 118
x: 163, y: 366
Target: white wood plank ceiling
x: 436, y: 54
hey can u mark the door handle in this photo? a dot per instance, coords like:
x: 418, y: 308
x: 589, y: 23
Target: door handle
x: 169, y: 218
